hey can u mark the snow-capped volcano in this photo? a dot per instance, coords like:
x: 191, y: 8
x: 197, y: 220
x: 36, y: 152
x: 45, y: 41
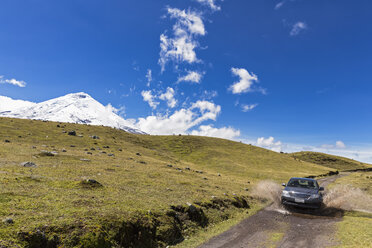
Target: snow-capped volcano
x: 78, y: 108
x: 8, y: 104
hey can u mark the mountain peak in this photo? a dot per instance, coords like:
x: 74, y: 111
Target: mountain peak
x: 81, y: 95
x: 78, y: 108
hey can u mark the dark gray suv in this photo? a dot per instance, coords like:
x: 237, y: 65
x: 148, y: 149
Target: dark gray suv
x: 302, y: 192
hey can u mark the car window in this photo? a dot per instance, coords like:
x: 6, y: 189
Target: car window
x: 310, y: 184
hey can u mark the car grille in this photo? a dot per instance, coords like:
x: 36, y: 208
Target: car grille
x: 299, y: 195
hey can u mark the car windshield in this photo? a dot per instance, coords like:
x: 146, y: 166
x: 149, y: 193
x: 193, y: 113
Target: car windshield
x: 302, y: 183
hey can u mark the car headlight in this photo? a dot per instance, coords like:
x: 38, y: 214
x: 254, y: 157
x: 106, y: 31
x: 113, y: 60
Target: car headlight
x: 314, y: 196
x: 285, y: 193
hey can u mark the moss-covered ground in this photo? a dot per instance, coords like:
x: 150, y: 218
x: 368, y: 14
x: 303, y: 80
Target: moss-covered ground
x: 125, y: 190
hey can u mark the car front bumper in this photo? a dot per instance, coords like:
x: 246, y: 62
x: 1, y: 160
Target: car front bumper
x: 307, y: 203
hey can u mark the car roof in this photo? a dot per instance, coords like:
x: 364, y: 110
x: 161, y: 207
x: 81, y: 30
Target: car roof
x: 302, y: 178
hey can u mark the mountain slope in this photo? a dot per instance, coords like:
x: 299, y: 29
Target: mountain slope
x: 73, y: 108
x: 8, y: 104
x: 142, y: 176
x: 331, y: 161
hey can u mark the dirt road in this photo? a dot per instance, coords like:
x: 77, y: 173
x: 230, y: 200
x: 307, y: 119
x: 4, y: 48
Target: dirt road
x: 275, y: 227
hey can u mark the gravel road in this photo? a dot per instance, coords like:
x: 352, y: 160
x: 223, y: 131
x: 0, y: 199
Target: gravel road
x: 294, y: 228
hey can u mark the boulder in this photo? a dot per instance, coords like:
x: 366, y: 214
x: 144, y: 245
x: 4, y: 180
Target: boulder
x: 72, y: 133
x: 46, y: 153
x: 28, y: 164
x: 91, y: 183
x: 8, y: 221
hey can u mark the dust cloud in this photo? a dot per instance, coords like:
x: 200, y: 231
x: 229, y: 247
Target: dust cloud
x: 348, y: 198
x: 268, y: 190
x: 343, y: 197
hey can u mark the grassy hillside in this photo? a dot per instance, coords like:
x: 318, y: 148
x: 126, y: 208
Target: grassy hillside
x: 331, y: 161
x: 355, y: 230
x: 124, y: 189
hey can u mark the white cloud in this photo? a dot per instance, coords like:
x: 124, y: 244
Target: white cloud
x: 210, y: 3
x: 248, y: 107
x: 279, y: 5
x: 169, y: 97
x: 210, y: 131
x: 209, y: 94
x: 245, y: 83
x: 359, y: 153
x: 208, y: 110
x: 338, y: 145
x: 119, y: 111
x: 191, y: 76
x: 190, y: 20
x: 12, y: 81
x: 149, y: 77
x: 149, y: 98
x: 181, y: 47
x: 181, y: 120
x: 327, y: 146
x: 269, y: 143
x: 297, y: 28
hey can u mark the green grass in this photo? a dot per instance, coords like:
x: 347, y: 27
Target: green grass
x: 355, y: 230
x: 361, y: 180
x: 137, y: 181
x: 275, y: 238
x: 331, y: 161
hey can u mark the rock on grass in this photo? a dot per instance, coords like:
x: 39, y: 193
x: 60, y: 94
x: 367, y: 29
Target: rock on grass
x: 28, y: 164
x: 8, y: 221
x: 72, y: 133
x: 91, y: 183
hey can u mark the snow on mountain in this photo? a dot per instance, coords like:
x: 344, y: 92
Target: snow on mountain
x: 78, y: 108
x: 8, y: 104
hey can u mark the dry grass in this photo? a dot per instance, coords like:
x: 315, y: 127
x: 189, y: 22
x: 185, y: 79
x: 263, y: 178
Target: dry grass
x: 355, y: 230
x: 331, y: 161
x: 136, y: 179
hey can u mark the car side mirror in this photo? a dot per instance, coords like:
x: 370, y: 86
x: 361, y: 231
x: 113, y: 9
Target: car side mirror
x: 283, y: 184
x: 321, y: 188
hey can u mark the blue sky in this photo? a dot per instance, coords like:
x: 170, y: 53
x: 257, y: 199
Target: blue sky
x: 294, y: 70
